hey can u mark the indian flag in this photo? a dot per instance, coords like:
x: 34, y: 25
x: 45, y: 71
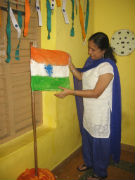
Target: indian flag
x: 49, y: 69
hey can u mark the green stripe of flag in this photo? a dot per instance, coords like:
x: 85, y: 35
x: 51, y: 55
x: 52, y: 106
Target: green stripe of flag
x: 43, y: 83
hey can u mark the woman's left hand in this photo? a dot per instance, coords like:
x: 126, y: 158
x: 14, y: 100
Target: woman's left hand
x: 64, y: 93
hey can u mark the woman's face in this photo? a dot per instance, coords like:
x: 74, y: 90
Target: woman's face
x: 94, y: 52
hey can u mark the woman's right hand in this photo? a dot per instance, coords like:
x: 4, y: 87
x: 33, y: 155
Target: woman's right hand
x: 70, y: 61
x: 70, y: 64
x: 73, y: 70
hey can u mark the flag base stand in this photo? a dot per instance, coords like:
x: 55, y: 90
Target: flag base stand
x: 43, y: 174
x: 35, y: 173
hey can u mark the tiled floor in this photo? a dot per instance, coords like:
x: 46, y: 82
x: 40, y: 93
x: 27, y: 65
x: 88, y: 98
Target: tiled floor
x: 67, y: 170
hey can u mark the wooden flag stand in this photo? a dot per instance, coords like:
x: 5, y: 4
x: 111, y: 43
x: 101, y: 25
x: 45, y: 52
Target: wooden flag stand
x: 34, y: 128
x: 34, y: 132
x: 35, y: 173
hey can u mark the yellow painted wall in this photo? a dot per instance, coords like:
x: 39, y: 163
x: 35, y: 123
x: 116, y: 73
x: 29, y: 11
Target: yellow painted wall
x: 59, y: 136
x: 110, y: 16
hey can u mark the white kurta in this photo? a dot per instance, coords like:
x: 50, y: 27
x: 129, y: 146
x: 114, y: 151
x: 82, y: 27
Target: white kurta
x: 96, y: 117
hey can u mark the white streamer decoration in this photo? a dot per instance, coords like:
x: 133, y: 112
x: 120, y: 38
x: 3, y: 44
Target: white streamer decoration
x: 15, y: 24
x: 64, y: 11
x: 52, y: 4
x: 39, y: 12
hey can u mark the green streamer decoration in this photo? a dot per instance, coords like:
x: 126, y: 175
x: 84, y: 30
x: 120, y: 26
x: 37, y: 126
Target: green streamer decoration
x: 20, y: 25
x: 87, y: 17
x: 8, y: 30
x: 48, y: 18
x: 72, y: 33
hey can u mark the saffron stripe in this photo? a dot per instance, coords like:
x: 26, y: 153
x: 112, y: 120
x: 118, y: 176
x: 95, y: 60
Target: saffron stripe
x: 40, y: 83
x: 53, y: 57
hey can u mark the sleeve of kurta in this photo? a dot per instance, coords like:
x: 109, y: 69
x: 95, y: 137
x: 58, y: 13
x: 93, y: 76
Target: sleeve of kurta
x: 105, y: 68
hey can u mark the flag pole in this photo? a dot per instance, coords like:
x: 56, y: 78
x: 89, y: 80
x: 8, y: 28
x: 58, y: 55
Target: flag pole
x: 34, y: 126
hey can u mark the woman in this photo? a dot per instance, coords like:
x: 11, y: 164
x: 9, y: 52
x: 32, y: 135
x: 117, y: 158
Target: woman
x: 101, y: 132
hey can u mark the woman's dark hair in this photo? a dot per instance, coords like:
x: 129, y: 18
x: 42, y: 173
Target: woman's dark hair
x: 102, y: 42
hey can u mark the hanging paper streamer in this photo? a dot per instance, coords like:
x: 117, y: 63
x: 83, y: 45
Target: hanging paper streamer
x: 48, y: 18
x: 8, y: 29
x: 58, y: 3
x: 17, y: 51
x: 72, y: 29
x: 84, y: 7
x: 87, y: 16
x: 82, y: 21
x: 15, y: 24
x: 39, y: 13
x: 27, y: 17
x: 52, y: 4
x: 49, y: 69
x: 18, y: 46
x: 64, y: 11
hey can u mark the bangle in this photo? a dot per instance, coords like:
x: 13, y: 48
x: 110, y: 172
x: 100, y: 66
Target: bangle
x: 73, y: 70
